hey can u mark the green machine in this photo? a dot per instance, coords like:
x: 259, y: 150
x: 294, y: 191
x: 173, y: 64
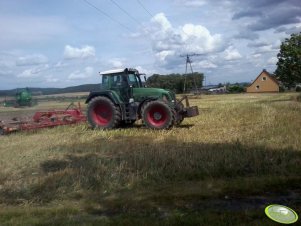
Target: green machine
x: 24, y: 98
x: 122, y: 99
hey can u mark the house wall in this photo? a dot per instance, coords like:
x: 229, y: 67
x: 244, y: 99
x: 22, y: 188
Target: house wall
x: 260, y: 85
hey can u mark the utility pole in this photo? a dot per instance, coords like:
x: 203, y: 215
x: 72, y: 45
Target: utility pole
x: 189, y: 61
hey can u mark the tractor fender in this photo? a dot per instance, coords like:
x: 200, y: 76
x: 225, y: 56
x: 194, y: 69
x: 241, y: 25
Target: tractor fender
x: 144, y: 102
x: 107, y: 94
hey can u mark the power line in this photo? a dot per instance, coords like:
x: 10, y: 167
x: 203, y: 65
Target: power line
x: 127, y: 13
x: 140, y: 3
x: 107, y: 15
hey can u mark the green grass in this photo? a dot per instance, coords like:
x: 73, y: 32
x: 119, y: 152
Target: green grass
x: 223, y: 167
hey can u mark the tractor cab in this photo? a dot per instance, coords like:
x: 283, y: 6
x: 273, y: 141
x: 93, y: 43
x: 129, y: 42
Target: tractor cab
x: 120, y: 78
x: 121, y: 81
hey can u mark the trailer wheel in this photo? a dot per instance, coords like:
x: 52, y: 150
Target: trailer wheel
x: 157, y: 115
x: 102, y: 113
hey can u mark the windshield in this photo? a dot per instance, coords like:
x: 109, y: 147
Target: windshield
x: 134, y: 80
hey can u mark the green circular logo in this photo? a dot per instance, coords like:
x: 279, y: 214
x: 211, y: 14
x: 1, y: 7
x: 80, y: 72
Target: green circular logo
x: 281, y: 214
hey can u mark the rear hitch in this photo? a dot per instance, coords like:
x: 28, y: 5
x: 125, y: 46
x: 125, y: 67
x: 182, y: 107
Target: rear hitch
x: 186, y: 111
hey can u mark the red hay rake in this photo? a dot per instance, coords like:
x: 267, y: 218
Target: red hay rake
x: 45, y: 119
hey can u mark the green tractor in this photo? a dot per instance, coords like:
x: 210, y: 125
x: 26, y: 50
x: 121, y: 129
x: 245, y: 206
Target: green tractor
x: 123, y: 99
x: 23, y: 98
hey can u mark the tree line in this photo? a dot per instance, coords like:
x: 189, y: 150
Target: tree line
x: 178, y: 83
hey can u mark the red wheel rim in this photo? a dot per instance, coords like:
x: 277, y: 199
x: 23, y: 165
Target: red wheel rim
x: 157, y: 116
x: 102, y: 114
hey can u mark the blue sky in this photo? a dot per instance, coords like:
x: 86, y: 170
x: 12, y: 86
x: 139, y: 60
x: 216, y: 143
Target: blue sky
x: 67, y: 42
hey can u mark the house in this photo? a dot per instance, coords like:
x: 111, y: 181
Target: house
x: 264, y: 83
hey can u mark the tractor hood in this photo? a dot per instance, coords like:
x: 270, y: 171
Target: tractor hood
x: 153, y: 92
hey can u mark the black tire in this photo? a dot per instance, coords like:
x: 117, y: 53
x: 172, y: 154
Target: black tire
x: 157, y: 115
x: 102, y: 113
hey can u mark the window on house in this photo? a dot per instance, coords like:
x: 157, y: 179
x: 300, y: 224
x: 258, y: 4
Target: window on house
x: 264, y: 78
x: 257, y: 87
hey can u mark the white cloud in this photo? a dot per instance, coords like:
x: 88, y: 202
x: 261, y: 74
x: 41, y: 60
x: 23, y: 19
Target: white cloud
x: 232, y: 54
x: 5, y: 72
x: 86, y: 73
x: 51, y: 79
x: 198, y: 39
x: 206, y: 64
x: 143, y: 70
x: 33, y: 72
x: 266, y: 49
x: 117, y: 63
x: 169, y: 42
x: 60, y: 64
x: 162, y: 55
x: 256, y: 55
x: 161, y: 22
x: 34, y: 59
x: 272, y: 61
x: 191, y: 3
x: 75, y: 53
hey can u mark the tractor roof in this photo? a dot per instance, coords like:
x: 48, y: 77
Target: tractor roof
x: 114, y: 71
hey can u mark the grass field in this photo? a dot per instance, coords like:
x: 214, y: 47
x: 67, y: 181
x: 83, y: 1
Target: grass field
x: 242, y: 153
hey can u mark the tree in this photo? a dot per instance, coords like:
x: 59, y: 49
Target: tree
x: 289, y: 61
x: 175, y: 82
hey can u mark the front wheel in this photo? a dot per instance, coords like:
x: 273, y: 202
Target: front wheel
x: 157, y: 115
x: 102, y: 113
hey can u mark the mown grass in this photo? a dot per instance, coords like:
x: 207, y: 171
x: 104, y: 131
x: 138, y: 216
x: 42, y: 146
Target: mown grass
x: 221, y: 168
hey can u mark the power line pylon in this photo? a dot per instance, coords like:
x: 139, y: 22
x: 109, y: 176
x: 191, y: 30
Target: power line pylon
x: 189, y: 61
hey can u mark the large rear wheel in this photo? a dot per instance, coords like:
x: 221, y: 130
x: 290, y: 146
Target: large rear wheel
x: 157, y: 115
x: 102, y: 113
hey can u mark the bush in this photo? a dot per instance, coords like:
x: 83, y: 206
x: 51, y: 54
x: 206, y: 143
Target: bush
x: 298, y: 89
x: 281, y: 89
x: 235, y: 89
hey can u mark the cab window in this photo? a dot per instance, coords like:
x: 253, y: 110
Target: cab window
x: 133, y: 80
x: 105, y: 82
x: 111, y: 81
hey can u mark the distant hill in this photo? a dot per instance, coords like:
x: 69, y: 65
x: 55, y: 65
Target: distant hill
x: 49, y: 91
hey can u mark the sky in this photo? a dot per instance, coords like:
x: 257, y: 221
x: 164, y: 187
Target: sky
x: 62, y: 43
